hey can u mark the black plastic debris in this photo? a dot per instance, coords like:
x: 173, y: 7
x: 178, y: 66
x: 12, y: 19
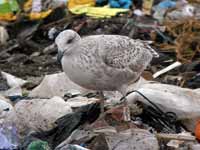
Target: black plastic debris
x: 68, y: 123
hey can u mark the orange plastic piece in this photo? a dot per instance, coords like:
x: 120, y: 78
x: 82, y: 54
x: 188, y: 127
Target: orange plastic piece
x: 7, y: 17
x: 74, y: 3
x: 197, y: 130
x: 39, y: 15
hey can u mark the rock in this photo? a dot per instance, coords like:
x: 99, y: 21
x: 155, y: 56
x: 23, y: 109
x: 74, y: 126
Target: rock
x: 182, y: 101
x: 55, y: 85
x: 12, y: 81
x: 41, y: 114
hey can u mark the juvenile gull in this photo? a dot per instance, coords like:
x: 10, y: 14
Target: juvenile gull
x: 103, y: 62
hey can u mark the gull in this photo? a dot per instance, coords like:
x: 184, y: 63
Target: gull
x: 103, y: 62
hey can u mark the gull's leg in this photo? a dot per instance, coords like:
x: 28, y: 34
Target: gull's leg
x: 126, y: 111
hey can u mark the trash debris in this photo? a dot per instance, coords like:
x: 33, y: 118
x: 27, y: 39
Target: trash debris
x: 12, y: 80
x: 74, y: 3
x: 197, y: 130
x: 168, y: 98
x: 80, y: 101
x: 39, y: 145
x: 186, y: 11
x: 131, y: 139
x: 68, y: 123
x: 162, y: 8
x: 8, y: 137
x: 98, y: 12
x: 41, y: 108
x: 174, y: 65
x: 186, y: 48
x: 181, y: 136
x: 12, y: 92
x: 174, y: 143
x: 74, y: 147
x: 5, y: 99
x: 195, y: 146
x: 3, y: 36
x: 126, y: 4
x: 147, y: 6
x: 8, y: 9
x: 34, y: 114
x: 7, y: 113
x: 55, y: 85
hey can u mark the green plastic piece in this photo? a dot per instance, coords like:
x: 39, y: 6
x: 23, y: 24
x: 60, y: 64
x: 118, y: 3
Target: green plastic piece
x: 8, y: 6
x: 38, y: 145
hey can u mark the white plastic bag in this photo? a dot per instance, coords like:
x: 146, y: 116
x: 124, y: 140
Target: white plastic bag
x: 169, y: 98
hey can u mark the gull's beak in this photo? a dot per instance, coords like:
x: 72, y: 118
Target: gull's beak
x: 59, y: 56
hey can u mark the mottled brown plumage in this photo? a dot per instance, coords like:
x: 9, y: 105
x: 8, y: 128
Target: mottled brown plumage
x: 103, y: 62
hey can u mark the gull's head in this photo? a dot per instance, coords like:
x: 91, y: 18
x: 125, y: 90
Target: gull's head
x: 65, y: 41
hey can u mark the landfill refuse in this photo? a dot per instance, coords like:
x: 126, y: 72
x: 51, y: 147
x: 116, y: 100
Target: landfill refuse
x: 8, y: 10
x: 161, y: 9
x: 41, y: 108
x: 74, y: 147
x: 3, y: 36
x: 197, y: 130
x: 12, y: 80
x: 186, y: 11
x: 126, y: 4
x: 98, y: 12
x: 183, y: 102
x: 132, y: 139
x: 75, y: 3
x: 55, y: 85
x: 39, y: 145
x: 147, y: 6
x: 8, y: 137
x: 7, y: 113
x: 65, y: 125
x: 31, y: 118
x: 15, y: 91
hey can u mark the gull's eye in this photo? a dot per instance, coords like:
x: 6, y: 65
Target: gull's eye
x: 69, y: 41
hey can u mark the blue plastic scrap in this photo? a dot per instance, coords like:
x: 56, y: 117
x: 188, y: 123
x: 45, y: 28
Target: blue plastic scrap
x: 8, y: 138
x: 126, y: 4
x: 167, y: 4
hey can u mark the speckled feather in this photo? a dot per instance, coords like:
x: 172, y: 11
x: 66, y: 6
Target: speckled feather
x: 103, y: 62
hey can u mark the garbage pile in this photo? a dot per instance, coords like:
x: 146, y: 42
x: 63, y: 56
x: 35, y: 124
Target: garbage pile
x: 42, y: 109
